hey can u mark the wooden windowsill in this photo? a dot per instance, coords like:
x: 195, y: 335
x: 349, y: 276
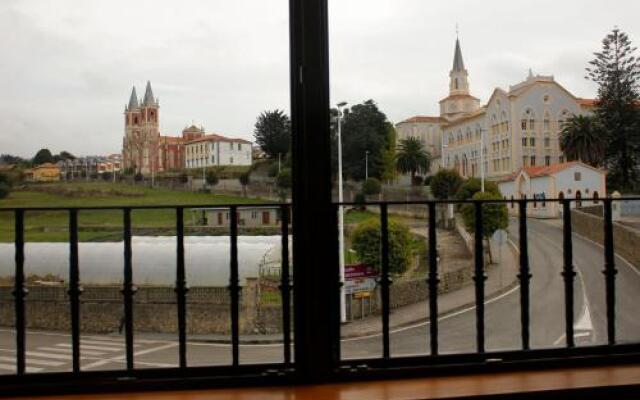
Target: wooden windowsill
x: 409, y: 389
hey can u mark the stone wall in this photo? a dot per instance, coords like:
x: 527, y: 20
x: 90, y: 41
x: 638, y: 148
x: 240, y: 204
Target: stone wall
x: 625, y: 239
x: 154, y: 309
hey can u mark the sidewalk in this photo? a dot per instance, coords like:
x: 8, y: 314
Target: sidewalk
x: 500, y: 279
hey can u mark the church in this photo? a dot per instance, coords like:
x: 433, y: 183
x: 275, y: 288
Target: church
x: 516, y: 128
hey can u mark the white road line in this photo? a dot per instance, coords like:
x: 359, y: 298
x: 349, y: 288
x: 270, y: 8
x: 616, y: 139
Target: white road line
x: 48, y: 355
x: 102, y: 343
x: 12, y: 368
x: 120, y: 358
x: 82, y: 347
x: 35, y: 362
x: 69, y: 351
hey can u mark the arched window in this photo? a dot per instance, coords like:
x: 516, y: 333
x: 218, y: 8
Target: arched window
x: 512, y: 204
x: 562, y: 118
x: 561, y: 195
x: 578, y: 198
x: 546, y: 123
x: 596, y: 197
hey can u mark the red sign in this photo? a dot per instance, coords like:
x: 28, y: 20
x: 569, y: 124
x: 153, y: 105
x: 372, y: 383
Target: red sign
x: 358, y: 271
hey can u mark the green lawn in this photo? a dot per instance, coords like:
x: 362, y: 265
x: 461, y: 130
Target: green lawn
x: 102, y: 224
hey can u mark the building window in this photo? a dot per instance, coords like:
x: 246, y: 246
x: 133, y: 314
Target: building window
x: 524, y: 161
x: 532, y: 142
x: 577, y: 176
x: 230, y: 160
x: 523, y: 124
x: 547, y: 142
x: 533, y: 161
x: 561, y: 159
x: 596, y: 197
x: 547, y: 160
x: 524, y: 142
x: 239, y: 146
x: 532, y: 124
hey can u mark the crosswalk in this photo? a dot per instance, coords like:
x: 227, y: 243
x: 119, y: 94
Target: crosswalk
x: 58, y: 356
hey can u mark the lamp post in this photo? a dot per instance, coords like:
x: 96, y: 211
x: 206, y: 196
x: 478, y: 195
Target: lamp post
x: 366, y: 165
x: 343, y: 296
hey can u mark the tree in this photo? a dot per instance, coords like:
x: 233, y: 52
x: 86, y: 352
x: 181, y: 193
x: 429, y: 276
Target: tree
x: 364, y: 128
x: 273, y: 133
x: 4, y: 190
x: 65, y: 155
x: 445, y: 184
x: 389, y: 169
x: 42, y: 156
x: 616, y: 71
x: 473, y: 185
x: 211, y: 178
x: 244, y: 181
x: 284, y: 183
x: 494, y: 216
x: 412, y: 158
x: 366, y: 242
x: 371, y: 187
x: 583, y: 138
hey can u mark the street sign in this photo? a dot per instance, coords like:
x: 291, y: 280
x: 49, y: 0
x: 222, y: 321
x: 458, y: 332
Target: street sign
x: 360, y: 285
x: 358, y: 271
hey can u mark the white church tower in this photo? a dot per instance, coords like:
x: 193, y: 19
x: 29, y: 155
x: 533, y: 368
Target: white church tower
x: 459, y: 101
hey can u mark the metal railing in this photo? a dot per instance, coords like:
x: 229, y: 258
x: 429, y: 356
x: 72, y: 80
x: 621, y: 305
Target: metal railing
x: 353, y: 367
x: 524, y: 276
x: 128, y: 291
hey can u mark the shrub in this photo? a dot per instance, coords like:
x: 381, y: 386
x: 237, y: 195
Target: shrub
x: 138, y: 177
x: 284, y: 179
x: 427, y: 180
x: 366, y: 242
x: 494, y: 216
x: 360, y: 200
x: 371, y: 187
x: 4, y: 190
x: 211, y: 177
x: 6, y: 179
x: 473, y: 185
x: 445, y: 184
x: 272, y: 172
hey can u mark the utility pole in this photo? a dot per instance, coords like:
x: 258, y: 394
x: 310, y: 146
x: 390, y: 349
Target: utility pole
x: 366, y: 165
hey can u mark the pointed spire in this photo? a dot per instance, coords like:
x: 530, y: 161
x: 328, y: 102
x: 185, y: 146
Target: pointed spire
x: 149, y: 100
x: 458, y: 63
x: 133, y: 100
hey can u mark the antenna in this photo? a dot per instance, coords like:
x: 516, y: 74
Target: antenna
x: 457, y: 31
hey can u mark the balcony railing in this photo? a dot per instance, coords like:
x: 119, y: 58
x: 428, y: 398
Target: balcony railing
x: 351, y: 368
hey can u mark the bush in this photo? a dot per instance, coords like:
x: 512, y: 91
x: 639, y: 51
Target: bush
x: 272, y: 172
x: 138, y: 177
x: 184, y: 178
x: 371, y: 187
x: 4, y: 190
x: 445, y: 184
x: 473, y: 185
x: 107, y: 176
x: 360, y: 200
x: 366, y: 242
x: 211, y: 177
x: 494, y: 216
x: 427, y: 181
x: 6, y: 179
x: 284, y: 179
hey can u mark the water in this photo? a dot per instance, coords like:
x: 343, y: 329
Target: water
x: 154, y: 260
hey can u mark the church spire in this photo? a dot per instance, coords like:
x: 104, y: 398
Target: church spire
x: 458, y: 63
x: 133, y: 100
x: 149, y: 100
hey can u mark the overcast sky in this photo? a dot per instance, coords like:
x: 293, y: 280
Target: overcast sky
x: 67, y: 67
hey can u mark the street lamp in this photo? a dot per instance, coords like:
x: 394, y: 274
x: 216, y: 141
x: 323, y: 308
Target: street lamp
x: 343, y: 297
x: 366, y: 165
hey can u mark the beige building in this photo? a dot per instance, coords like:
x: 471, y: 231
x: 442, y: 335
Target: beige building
x: 250, y: 217
x: 516, y: 128
x: 46, y: 172
x: 216, y: 150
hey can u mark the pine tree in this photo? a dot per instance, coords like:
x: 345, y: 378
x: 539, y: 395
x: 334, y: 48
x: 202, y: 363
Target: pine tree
x: 616, y: 70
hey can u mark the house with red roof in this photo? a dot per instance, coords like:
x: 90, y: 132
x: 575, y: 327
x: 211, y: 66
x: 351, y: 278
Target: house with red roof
x: 574, y: 179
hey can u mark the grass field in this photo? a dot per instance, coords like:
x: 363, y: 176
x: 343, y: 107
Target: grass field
x: 51, y: 226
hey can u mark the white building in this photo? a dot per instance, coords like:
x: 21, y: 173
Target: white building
x: 518, y: 127
x: 215, y: 150
x: 570, y: 179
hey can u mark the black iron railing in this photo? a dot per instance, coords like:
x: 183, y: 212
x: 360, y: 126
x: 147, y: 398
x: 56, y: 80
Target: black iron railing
x: 349, y: 368
x: 129, y: 290
x: 524, y: 276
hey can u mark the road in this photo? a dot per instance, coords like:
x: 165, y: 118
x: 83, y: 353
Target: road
x: 51, y: 351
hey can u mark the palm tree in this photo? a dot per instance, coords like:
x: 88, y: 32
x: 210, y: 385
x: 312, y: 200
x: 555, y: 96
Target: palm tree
x: 583, y: 138
x: 412, y: 158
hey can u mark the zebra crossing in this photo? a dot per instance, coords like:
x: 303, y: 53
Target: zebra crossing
x: 58, y: 356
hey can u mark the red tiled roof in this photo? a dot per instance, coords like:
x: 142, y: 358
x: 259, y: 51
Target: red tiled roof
x: 422, y: 118
x: 218, y: 138
x: 545, y: 170
x: 587, y: 102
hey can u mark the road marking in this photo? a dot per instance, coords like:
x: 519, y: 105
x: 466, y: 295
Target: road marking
x: 88, y: 347
x: 120, y: 358
x: 12, y: 368
x: 48, y: 355
x: 624, y: 260
x: 69, y: 351
x: 102, y: 343
x: 35, y: 362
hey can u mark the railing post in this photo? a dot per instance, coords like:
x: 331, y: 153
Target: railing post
x: 385, y: 281
x: 433, y: 281
x: 609, y: 272
x: 479, y: 277
x: 19, y: 292
x: 234, y: 288
x: 285, y: 285
x: 128, y: 289
x: 568, y: 272
x: 181, y: 289
x: 74, y: 289
x: 524, y: 275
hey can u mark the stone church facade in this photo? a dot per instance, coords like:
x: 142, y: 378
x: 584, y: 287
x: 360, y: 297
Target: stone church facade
x: 516, y: 128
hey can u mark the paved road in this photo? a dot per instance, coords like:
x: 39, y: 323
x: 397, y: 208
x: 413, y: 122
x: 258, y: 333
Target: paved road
x: 52, y: 351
